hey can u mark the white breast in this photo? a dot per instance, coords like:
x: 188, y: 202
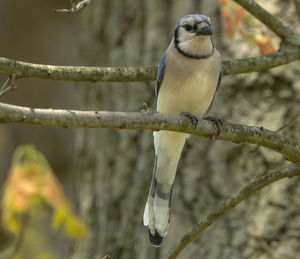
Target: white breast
x: 189, y: 84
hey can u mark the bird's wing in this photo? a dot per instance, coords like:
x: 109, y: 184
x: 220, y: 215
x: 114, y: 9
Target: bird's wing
x: 219, y: 80
x: 217, y: 88
x: 160, y: 74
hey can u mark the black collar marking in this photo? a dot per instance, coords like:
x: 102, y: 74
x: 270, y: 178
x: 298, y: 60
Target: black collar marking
x: 176, y: 44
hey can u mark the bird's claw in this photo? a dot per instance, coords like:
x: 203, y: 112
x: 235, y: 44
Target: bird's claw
x: 218, y: 122
x: 192, y: 117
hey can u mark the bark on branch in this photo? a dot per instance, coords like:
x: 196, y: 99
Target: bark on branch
x: 230, y: 203
x: 76, y: 73
x: 236, y: 133
x: 133, y: 74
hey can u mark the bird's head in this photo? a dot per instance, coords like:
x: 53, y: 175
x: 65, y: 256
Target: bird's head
x: 192, y: 35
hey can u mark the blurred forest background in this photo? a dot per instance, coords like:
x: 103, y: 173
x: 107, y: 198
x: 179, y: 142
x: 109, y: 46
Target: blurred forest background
x: 106, y: 173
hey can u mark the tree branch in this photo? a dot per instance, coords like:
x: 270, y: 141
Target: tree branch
x: 230, y: 203
x: 266, y: 18
x: 133, y: 74
x: 236, y: 133
x: 297, y: 7
x: 77, y: 73
x: 261, y: 63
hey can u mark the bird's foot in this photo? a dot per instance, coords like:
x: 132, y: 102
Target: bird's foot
x: 218, y: 122
x: 192, y: 117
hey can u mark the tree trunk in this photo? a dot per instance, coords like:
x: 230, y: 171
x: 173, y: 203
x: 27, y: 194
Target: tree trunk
x: 114, y: 167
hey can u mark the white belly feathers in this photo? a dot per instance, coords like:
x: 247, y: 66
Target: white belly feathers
x: 193, y: 94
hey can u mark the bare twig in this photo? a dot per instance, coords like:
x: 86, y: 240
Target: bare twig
x: 236, y: 133
x: 8, y: 85
x: 265, y: 17
x: 230, y: 203
x: 10, y: 253
x: 77, y: 5
x: 288, y: 123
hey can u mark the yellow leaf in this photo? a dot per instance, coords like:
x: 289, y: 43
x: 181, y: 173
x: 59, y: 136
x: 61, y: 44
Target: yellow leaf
x: 75, y: 228
x: 58, y: 218
x: 71, y: 226
x: 31, y: 183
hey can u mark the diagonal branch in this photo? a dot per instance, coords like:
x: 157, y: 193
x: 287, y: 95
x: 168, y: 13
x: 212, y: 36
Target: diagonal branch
x: 236, y: 133
x: 133, y: 74
x: 297, y: 7
x: 230, y: 203
x: 265, y: 17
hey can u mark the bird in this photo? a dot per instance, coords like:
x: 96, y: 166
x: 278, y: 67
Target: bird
x: 189, y: 75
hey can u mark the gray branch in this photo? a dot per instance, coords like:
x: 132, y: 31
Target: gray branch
x: 261, y: 63
x: 230, y: 203
x: 236, y: 133
x: 133, y: 74
x: 288, y: 53
x: 77, y: 73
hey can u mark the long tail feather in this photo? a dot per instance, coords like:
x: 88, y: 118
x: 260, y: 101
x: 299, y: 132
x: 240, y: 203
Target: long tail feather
x: 157, y: 210
x: 168, y: 146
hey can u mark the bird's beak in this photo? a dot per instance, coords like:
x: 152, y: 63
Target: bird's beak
x: 205, y: 31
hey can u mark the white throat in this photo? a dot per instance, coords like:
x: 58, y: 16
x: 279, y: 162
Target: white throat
x: 198, y: 46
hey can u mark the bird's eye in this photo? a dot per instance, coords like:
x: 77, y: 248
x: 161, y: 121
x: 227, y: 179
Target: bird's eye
x: 188, y: 27
x: 195, y: 27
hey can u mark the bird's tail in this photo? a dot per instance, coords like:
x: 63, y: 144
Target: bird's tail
x: 157, y: 210
x: 168, y: 146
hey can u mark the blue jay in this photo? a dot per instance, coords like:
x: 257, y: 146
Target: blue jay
x: 189, y: 75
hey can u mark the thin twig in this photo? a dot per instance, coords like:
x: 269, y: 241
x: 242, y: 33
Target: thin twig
x: 272, y: 22
x: 230, y: 203
x: 76, y: 6
x: 288, y: 123
x: 20, y: 238
x: 236, y: 133
x: 10, y: 253
x: 8, y: 85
